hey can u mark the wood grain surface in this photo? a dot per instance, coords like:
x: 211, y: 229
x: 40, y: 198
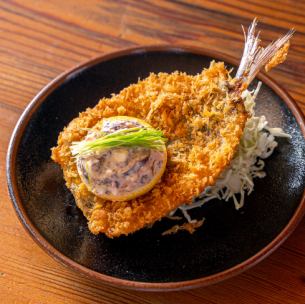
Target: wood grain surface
x: 41, y: 39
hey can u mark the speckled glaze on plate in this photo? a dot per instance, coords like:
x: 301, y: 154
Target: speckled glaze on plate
x: 229, y: 242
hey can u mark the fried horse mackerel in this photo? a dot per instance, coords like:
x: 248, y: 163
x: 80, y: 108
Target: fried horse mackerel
x: 137, y: 156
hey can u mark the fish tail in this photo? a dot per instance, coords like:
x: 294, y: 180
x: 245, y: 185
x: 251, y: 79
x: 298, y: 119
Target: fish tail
x: 256, y: 57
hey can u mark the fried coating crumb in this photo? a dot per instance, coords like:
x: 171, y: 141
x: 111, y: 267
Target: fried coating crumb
x: 190, y: 227
x: 203, y: 119
x: 278, y: 58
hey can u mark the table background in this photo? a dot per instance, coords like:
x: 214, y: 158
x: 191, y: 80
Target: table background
x: 41, y: 39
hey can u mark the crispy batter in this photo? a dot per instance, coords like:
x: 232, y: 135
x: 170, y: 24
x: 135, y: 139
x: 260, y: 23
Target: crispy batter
x: 278, y: 58
x: 189, y: 227
x: 203, y: 118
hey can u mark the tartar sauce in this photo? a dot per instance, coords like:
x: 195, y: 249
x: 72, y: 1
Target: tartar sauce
x: 120, y: 173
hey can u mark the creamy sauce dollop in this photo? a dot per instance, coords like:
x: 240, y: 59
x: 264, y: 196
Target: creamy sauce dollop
x: 120, y: 173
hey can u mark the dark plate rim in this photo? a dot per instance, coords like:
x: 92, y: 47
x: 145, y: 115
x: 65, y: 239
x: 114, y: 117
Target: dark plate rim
x: 148, y: 286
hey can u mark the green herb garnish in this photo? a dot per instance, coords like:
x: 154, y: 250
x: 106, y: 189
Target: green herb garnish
x: 133, y: 137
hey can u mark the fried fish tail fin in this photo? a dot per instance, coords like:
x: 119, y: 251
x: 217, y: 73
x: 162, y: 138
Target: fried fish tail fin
x: 256, y: 57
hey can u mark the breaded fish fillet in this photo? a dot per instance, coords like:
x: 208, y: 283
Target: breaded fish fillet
x: 203, y: 117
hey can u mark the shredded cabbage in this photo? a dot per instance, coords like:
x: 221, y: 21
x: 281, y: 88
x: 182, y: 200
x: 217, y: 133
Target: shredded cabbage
x: 257, y: 143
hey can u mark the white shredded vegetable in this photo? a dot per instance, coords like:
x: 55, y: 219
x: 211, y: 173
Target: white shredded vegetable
x: 257, y: 143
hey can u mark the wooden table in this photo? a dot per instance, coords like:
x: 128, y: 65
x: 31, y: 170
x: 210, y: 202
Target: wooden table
x: 41, y: 39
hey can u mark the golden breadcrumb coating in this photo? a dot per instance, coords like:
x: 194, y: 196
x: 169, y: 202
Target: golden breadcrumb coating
x: 203, y: 117
x: 190, y: 227
x: 279, y: 57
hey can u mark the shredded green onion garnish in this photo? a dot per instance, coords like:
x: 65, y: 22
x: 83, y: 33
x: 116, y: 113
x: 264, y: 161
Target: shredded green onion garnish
x: 132, y: 137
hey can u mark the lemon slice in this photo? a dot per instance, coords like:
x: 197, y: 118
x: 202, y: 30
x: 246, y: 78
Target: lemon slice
x: 121, y: 173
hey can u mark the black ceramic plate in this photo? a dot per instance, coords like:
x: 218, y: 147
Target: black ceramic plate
x: 228, y: 242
